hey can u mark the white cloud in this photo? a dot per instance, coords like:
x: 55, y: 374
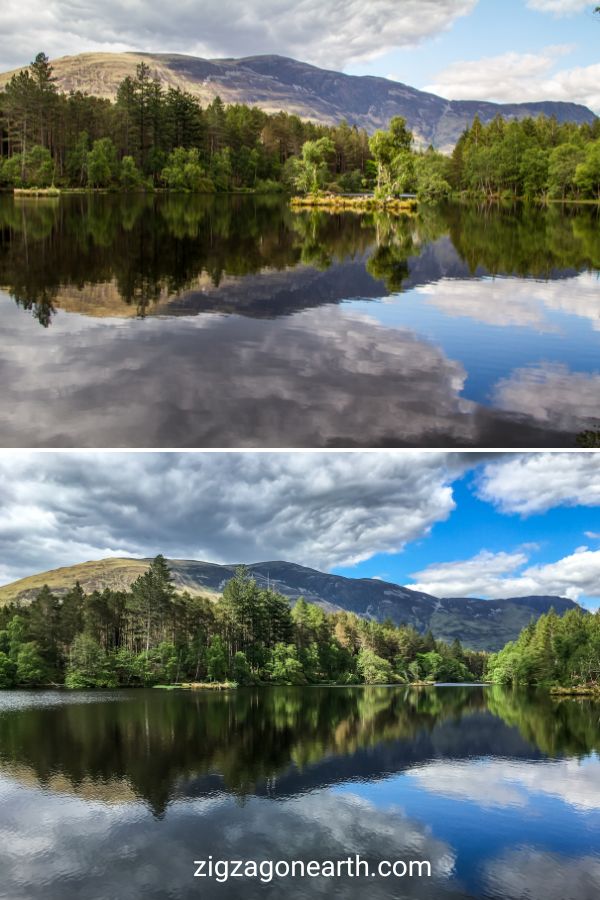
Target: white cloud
x: 552, y: 395
x: 332, y: 33
x: 547, y: 876
x: 559, y: 7
x: 317, y: 509
x: 502, y: 784
x: 500, y: 575
x: 508, y: 302
x: 519, y: 78
x: 324, y: 377
x: 532, y: 483
x: 66, y: 846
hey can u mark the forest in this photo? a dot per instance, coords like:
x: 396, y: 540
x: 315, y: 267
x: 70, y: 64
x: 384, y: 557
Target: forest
x: 151, y: 138
x: 555, y: 650
x: 153, y: 635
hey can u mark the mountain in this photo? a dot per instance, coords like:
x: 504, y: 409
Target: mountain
x: 479, y: 624
x: 277, y: 83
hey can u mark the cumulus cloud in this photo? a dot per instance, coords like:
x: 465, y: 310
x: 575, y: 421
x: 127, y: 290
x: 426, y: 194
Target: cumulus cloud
x: 317, y: 509
x: 547, y: 876
x: 334, y: 33
x: 322, y: 378
x: 532, y: 483
x: 495, y: 782
x: 553, y: 395
x: 76, y: 849
x: 519, y: 78
x: 559, y: 7
x: 508, y: 302
x: 499, y: 575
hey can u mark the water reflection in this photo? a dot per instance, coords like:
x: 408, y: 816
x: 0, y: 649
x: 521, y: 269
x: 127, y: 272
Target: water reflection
x: 279, y: 742
x: 232, y: 322
x: 117, y: 797
x: 142, y: 254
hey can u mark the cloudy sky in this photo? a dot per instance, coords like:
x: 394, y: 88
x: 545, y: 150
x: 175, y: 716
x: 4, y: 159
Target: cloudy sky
x: 465, y: 49
x: 450, y: 524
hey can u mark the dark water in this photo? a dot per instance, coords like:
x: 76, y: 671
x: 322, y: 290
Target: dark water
x: 115, y: 795
x: 198, y: 321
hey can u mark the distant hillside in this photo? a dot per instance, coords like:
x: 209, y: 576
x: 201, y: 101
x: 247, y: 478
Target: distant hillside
x: 480, y: 624
x: 276, y: 83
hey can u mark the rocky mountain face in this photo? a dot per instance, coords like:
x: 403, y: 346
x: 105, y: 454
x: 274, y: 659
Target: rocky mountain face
x: 276, y: 83
x: 479, y: 624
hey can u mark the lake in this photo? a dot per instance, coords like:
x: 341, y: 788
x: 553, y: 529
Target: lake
x: 114, y: 795
x: 198, y: 321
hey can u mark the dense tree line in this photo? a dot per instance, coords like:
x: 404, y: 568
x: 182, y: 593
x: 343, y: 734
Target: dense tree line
x: 152, y: 634
x: 555, y: 650
x: 153, y: 137
x: 533, y: 159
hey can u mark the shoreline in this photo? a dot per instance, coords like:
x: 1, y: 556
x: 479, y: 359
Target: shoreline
x: 349, y: 203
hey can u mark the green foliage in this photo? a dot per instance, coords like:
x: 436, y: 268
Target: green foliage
x: 30, y: 665
x: 391, y: 150
x: 373, y: 668
x: 130, y: 177
x: 562, y: 651
x: 151, y: 635
x: 311, y: 170
x: 89, y: 665
x: 284, y: 667
x: 234, y: 148
x: 432, y: 176
x: 151, y: 136
x: 101, y: 164
x: 184, y: 172
x: 7, y: 671
x: 531, y: 158
x: 240, y: 669
x: 38, y: 168
x: 216, y: 659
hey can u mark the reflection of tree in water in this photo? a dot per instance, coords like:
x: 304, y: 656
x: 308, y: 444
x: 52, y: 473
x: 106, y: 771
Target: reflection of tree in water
x: 153, y: 247
x: 527, y: 241
x: 556, y: 727
x: 156, y: 741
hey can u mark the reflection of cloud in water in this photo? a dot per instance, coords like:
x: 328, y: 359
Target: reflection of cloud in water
x: 552, y: 394
x: 62, y: 848
x: 531, y: 873
x: 327, y: 377
x: 504, y: 783
x: 522, y: 302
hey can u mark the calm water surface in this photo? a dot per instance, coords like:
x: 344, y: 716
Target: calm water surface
x: 199, y: 321
x: 114, y: 795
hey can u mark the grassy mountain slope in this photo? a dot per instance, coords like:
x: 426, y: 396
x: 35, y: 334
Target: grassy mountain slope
x: 480, y: 624
x: 277, y: 83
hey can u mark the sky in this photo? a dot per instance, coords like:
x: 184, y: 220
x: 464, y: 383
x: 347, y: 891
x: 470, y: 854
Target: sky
x: 511, y: 51
x: 449, y: 524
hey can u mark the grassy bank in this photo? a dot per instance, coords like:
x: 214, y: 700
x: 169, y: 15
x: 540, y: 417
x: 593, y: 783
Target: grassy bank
x: 198, y: 686
x: 343, y: 203
x: 36, y: 192
x: 580, y: 690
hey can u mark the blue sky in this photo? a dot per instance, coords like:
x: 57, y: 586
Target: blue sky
x: 492, y: 29
x: 456, y: 47
x: 450, y: 524
x: 476, y: 525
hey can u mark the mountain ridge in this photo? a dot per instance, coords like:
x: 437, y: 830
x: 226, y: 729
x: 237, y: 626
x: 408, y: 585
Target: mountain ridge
x: 479, y: 624
x: 276, y: 83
